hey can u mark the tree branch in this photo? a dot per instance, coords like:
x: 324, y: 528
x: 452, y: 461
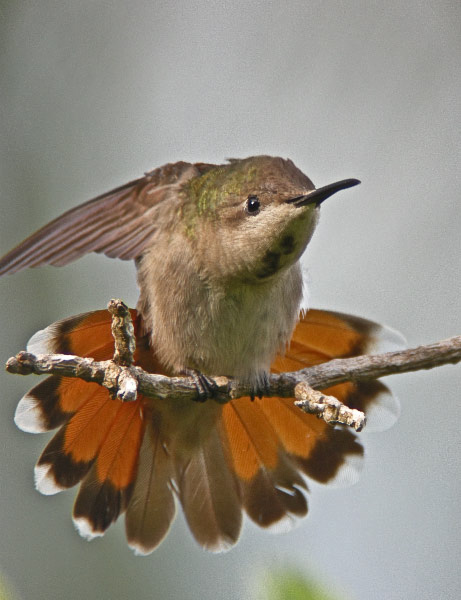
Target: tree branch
x: 124, y: 380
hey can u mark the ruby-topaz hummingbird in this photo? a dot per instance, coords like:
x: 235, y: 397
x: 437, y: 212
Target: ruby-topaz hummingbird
x: 217, y: 251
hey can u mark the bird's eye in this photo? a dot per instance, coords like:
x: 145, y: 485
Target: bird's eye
x: 252, y: 205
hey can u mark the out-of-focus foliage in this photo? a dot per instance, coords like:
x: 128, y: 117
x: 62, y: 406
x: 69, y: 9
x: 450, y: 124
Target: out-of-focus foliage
x: 290, y: 584
x: 6, y: 593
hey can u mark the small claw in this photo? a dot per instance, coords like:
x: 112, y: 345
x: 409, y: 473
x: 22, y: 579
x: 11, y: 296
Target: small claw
x: 206, y: 387
x: 262, y: 388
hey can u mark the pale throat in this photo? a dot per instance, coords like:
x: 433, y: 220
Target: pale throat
x: 251, y: 324
x: 233, y: 329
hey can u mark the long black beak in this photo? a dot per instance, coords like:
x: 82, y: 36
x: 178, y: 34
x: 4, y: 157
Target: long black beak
x: 318, y: 196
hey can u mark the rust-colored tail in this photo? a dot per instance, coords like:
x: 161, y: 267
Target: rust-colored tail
x: 217, y: 460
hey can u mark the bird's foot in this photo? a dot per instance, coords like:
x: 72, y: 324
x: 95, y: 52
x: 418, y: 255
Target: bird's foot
x: 206, y: 387
x: 262, y: 388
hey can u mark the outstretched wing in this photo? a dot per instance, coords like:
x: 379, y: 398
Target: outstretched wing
x: 119, y: 223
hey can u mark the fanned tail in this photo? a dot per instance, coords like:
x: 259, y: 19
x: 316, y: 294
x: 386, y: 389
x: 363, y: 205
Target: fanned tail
x: 219, y: 461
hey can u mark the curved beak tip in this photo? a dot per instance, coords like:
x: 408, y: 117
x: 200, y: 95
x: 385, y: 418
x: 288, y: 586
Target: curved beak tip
x: 318, y: 195
x: 353, y: 182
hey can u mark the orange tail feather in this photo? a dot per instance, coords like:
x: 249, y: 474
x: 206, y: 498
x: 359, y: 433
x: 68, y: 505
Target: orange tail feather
x: 245, y: 456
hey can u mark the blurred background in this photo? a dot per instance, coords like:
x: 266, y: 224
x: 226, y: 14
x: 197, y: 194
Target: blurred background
x: 94, y: 93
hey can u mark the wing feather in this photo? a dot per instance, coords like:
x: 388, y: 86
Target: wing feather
x: 119, y: 223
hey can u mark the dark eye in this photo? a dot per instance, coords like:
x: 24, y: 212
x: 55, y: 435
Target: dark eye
x: 252, y: 205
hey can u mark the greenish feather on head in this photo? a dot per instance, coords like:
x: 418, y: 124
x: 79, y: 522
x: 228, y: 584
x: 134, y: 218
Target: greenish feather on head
x: 207, y: 191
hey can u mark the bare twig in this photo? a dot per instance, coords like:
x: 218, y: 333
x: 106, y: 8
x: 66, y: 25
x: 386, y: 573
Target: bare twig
x: 124, y: 380
x: 124, y: 386
x: 123, y: 333
x: 328, y: 408
x: 374, y: 366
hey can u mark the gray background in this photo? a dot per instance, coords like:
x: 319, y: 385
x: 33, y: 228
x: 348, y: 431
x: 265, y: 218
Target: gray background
x: 95, y: 93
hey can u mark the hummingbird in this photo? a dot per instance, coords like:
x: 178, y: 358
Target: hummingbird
x: 217, y: 250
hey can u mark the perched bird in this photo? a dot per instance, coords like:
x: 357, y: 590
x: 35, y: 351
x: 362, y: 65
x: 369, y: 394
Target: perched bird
x: 217, y: 251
